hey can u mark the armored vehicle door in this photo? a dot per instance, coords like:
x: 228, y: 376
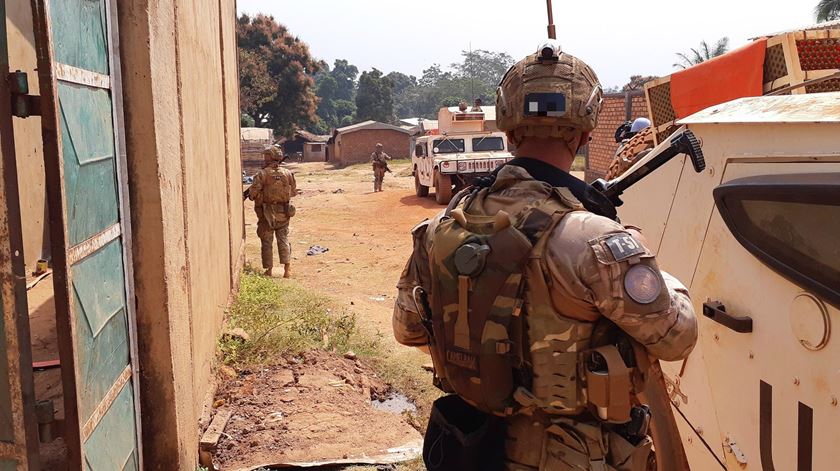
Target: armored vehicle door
x: 79, y: 73
x: 768, y: 278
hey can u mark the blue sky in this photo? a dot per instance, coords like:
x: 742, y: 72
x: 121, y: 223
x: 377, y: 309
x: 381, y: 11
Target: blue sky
x: 615, y: 39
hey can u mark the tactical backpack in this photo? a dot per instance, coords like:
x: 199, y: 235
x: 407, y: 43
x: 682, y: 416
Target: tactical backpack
x: 486, y: 272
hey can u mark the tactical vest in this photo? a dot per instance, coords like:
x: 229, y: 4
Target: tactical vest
x: 497, y: 341
x: 277, y: 185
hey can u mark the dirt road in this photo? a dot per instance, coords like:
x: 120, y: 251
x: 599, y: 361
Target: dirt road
x: 367, y: 235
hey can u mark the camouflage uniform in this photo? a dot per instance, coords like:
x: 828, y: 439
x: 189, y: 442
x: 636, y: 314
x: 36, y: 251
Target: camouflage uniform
x: 273, y: 188
x: 379, y: 161
x: 543, y: 315
x: 629, y: 152
x: 586, y: 284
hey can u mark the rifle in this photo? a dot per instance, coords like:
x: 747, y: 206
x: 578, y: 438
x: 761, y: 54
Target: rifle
x: 682, y: 141
x: 246, y: 194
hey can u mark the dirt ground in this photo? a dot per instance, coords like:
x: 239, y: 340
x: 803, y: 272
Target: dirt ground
x: 308, y: 410
x: 368, y: 237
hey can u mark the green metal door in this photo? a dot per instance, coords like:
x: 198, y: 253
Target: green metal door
x: 79, y: 72
x: 18, y: 429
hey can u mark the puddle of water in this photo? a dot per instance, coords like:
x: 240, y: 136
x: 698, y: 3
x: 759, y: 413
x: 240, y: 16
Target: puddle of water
x: 396, y: 403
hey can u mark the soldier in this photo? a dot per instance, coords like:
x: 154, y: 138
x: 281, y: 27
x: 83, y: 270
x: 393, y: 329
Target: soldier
x: 379, y: 159
x: 273, y: 188
x: 535, y: 304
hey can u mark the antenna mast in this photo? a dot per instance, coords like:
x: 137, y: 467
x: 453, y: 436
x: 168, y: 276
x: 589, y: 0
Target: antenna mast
x: 472, y: 85
x: 552, y: 33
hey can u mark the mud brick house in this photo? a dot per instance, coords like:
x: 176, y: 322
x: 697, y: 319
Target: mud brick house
x: 617, y: 108
x: 312, y: 147
x: 354, y: 144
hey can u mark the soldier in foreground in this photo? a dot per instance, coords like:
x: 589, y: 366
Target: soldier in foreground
x: 535, y: 304
x: 272, y: 191
x: 379, y: 159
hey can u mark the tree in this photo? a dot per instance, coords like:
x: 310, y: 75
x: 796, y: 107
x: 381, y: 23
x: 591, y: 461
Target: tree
x: 483, y: 69
x: 374, y: 98
x: 637, y: 82
x: 702, y: 54
x: 276, y: 75
x: 828, y: 10
x: 336, y: 90
x: 405, y: 94
x: 246, y: 121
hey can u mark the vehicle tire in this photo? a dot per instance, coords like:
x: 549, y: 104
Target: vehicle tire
x: 419, y: 188
x: 443, y: 188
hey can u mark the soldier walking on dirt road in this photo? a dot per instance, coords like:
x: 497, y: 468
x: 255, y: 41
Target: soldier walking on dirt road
x: 379, y: 160
x: 272, y: 191
x: 539, y: 309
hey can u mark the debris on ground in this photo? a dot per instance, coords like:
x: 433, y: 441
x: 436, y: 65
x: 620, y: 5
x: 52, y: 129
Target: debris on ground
x: 236, y: 334
x: 307, y: 410
x: 337, y: 191
x: 377, y: 298
x: 316, y: 250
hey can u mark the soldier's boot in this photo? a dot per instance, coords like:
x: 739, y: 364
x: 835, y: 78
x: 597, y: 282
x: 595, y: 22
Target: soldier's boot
x: 287, y: 270
x: 267, y: 272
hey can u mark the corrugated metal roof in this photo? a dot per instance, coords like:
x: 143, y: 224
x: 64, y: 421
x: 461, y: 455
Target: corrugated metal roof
x: 806, y: 108
x: 256, y: 134
x: 312, y: 137
x: 369, y: 125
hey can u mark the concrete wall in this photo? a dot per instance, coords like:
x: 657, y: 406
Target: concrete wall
x: 28, y: 144
x: 181, y: 105
x: 602, y: 147
x: 354, y: 147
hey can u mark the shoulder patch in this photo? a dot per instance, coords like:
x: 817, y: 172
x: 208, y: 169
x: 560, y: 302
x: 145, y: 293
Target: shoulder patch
x: 623, y: 246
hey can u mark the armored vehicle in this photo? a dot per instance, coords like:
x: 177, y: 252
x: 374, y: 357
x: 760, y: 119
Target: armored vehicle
x: 464, y: 149
x: 756, y: 237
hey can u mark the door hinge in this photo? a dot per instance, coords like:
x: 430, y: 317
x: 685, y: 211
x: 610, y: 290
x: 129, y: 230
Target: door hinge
x: 24, y: 105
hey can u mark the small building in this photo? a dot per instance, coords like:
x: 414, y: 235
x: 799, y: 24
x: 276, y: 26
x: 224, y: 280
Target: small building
x: 252, y: 142
x: 354, y: 144
x: 308, y: 146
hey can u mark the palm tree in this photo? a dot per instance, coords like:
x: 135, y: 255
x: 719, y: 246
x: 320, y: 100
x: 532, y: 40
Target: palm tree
x: 828, y: 10
x: 705, y: 52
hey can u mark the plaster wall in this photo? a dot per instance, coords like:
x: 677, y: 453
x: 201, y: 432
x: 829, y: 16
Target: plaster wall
x: 28, y: 144
x: 181, y: 105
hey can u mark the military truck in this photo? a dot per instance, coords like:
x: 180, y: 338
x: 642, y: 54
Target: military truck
x: 464, y: 148
x: 756, y: 238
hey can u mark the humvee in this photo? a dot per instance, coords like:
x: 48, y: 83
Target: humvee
x: 756, y: 238
x: 463, y: 150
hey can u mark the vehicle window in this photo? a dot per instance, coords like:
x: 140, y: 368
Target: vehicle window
x: 791, y: 223
x: 419, y: 150
x: 448, y: 146
x: 484, y: 144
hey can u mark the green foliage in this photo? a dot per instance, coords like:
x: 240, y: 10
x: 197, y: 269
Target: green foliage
x: 284, y: 318
x: 637, y: 82
x: 374, y: 98
x: 704, y: 53
x: 275, y: 74
x: 827, y: 10
x: 246, y: 121
x: 336, y: 89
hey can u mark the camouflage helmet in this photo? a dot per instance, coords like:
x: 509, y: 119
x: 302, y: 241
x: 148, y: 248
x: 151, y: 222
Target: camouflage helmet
x: 547, y: 94
x: 272, y: 152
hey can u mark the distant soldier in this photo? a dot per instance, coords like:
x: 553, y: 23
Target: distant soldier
x: 635, y: 142
x: 379, y: 160
x: 273, y: 188
x: 477, y: 106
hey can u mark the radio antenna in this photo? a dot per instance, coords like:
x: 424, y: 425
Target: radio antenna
x: 552, y: 33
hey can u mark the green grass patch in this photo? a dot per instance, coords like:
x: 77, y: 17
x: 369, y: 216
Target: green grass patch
x: 284, y: 318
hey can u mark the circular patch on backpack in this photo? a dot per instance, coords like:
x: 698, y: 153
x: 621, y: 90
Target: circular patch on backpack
x: 642, y: 284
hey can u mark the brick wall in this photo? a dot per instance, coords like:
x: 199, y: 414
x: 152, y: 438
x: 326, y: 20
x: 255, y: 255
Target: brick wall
x: 357, y: 146
x: 602, y: 147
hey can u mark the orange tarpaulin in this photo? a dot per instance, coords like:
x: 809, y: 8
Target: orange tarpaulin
x: 736, y: 74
